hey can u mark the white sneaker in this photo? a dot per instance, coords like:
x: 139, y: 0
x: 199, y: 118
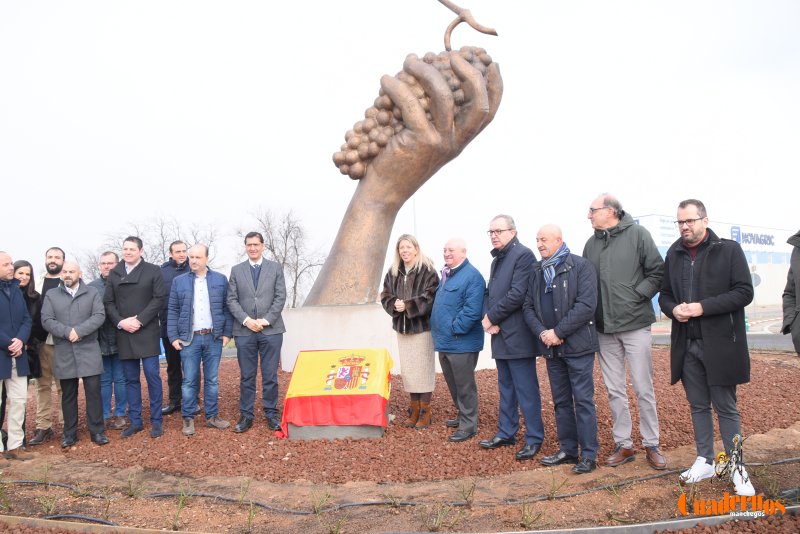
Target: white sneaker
x: 741, y: 482
x: 700, y: 470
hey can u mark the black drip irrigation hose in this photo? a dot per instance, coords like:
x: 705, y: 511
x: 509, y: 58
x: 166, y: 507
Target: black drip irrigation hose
x: 386, y: 502
x: 78, y: 517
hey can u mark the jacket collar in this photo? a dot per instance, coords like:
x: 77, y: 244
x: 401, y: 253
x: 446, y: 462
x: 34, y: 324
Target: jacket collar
x: 503, y: 251
x: 624, y: 223
x: 172, y: 263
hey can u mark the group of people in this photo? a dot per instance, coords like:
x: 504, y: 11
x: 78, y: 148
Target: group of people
x: 566, y: 308
x: 108, y: 332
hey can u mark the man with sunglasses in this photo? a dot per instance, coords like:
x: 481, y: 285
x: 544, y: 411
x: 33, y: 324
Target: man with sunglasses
x: 629, y: 271
x: 707, y: 284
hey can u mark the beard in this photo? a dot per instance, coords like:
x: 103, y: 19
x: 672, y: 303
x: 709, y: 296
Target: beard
x: 53, y: 268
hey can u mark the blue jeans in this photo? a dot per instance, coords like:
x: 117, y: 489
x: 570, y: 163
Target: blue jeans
x: 205, y: 349
x: 133, y: 387
x: 250, y: 351
x: 113, y: 377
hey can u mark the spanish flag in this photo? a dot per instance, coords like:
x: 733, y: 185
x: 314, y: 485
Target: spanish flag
x: 347, y: 387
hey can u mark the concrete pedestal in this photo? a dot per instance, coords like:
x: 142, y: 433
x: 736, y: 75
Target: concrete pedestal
x: 340, y: 327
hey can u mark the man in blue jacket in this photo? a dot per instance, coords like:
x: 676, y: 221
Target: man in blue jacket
x: 15, y: 328
x: 199, y: 325
x: 559, y: 310
x: 458, y: 334
x: 512, y: 340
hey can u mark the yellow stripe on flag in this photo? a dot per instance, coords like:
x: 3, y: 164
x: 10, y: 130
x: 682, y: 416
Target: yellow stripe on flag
x: 341, y: 372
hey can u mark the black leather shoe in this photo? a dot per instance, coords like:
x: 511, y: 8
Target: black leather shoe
x: 461, y: 435
x: 243, y: 425
x: 528, y: 451
x: 131, y: 430
x: 100, y: 439
x: 496, y: 442
x: 68, y: 442
x: 585, y: 465
x: 451, y: 423
x: 170, y: 408
x: 40, y: 436
x: 559, y: 458
x: 273, y: 422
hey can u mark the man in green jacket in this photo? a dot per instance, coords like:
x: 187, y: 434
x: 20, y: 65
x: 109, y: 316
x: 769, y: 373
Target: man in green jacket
x: 629, y: 270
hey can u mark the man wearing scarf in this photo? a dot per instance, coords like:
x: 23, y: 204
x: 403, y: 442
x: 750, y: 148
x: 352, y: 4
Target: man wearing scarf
x: 559, y: 309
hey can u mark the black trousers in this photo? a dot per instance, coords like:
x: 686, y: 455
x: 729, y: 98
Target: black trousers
x: 94, y: 405
x: 174, y: 374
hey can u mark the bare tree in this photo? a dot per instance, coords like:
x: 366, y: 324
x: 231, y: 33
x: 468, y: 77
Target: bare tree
x: 285, y: 242
x: 156, y: 233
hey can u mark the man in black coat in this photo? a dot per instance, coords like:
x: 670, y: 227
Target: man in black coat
x: 706, y: 286
x: 791, y: 305
x: 559, y: 309
x: 512, y: 340
x: 176, y: 266
x: 134, y: 296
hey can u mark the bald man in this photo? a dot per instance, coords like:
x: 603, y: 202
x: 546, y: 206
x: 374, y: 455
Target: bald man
x: 73, y: 312
x: 559, y: 309
x: 458, y: 333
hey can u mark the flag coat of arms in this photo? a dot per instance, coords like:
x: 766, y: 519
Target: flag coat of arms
x: 346, y: 387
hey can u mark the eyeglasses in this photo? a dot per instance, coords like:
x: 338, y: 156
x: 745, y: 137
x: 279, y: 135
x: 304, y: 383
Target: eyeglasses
x: 497, y: 232
x: 688, y: 222
x: 592, y: 210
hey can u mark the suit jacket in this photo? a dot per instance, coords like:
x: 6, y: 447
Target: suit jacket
x: 508, y: 285
x: 15, y: 322
x: 264, y: 302
x: 140, y: 294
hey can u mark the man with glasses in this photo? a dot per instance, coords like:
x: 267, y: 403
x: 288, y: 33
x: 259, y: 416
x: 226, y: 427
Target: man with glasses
x: 512, y: 341
x: 706, y: 287
x: 113, y: 378
x: 629, y: 270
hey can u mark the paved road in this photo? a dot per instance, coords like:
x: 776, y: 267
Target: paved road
x: 764, y: 335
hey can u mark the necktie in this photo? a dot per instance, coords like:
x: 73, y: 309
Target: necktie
x: 445, y: 274
x: 256, y: 274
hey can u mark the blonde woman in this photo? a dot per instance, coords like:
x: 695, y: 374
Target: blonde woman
x: 408, y: 292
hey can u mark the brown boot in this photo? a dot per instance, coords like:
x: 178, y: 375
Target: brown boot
x: 414, y: 415
x: 424, y: 420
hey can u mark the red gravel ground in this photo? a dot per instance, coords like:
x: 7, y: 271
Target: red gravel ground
x: 768, y: 401
x: 405, y: 465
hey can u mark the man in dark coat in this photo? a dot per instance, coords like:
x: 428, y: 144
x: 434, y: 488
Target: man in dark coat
x: 791, y: 306
x: 559, y: 310
x: 512, y: 340
x: 174, y: 267
x: 112, y: 381
x: 706, y: 287
x: 72, y: 313
x: 15, y: 329
x: 134, y: 296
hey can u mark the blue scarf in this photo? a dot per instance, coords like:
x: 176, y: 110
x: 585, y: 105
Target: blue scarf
x: 549, y: 266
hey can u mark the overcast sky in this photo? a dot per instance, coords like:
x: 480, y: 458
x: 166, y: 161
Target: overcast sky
x: 115, y: 112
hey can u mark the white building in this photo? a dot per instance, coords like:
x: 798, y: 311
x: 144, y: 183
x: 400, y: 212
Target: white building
x: 766, y: 250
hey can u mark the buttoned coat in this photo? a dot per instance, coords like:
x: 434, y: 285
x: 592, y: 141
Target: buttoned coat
x: 61, y: 312
x: 15, y: 322
x: 264, y: 302
x: 508, y: 284
x: 139, y: 294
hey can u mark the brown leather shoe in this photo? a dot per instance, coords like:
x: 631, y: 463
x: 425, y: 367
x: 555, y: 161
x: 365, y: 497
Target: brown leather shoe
x: 118, y: 423
x: 16, y: 454
x: 656, y: 459
x: 620, y: 456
